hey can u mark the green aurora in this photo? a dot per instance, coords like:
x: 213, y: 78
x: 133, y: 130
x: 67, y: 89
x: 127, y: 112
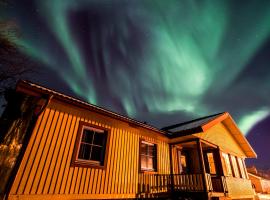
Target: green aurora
x: 151, y: 58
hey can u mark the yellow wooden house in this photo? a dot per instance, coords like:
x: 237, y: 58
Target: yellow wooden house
x: 54, y: 146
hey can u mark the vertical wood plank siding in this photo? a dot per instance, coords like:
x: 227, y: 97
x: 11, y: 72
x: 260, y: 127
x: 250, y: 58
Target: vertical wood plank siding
x: 47, y: 169
x: 221, y: 136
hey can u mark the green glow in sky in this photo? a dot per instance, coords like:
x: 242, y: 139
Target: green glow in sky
x: 248, y: 121
x: 186, y: 51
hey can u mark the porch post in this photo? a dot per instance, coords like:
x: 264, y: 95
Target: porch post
x: 219, y: 162
x: 171, y: 168
x: 202, y: 165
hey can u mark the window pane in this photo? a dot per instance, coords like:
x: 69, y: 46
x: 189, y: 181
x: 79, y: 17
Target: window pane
x: 183, y: 163
x: 87, y: 136
x: 150, y: 163
x: 96, y: 154
x: 84, y: 152
x: 99, y: 139
x: 211, y: 161
x: 235, y: 167
x: 242, y: 170
x: 143, y: 162
x: 143, y: 149
x: 227, y: 164
x: 148, y: 156
x: 151, y: 150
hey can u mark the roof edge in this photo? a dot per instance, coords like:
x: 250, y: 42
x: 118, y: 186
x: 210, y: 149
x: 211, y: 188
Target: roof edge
x: 251, y: 150
x: 36, y: 90
x: 213, y: 122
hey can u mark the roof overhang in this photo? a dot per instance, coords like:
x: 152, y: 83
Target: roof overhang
x: 226, y: 119
x: 230, y: 124
x: 32, y: 89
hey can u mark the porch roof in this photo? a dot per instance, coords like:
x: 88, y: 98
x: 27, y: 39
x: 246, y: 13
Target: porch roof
x: 192, y: 126
x: 203, y: 124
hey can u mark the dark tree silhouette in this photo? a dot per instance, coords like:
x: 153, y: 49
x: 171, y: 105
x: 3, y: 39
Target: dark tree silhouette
x: 14, y: 64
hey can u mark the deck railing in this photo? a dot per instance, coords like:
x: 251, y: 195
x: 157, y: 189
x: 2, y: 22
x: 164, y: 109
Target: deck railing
x: 159, y: 183
x: 216, y: 184
x: 154, y: 183
x: 209, y: 186
x: 188, y: 182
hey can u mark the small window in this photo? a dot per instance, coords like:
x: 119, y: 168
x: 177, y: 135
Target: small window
x: 241, y: 168
x: 183, y: 162
x: 148, y: 156
x: 226, y: 164
x: 234, y: 166
x: 211, y: 163
x: 91, y: 145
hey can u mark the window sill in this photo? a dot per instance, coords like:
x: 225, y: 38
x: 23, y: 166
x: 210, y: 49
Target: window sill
x: 88, y: 164
x: 148, y: 172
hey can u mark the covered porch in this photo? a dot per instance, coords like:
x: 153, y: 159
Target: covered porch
x: 197, y: 158
x: 195, y: 168
x: 206, y: 160
x: 198, y: 168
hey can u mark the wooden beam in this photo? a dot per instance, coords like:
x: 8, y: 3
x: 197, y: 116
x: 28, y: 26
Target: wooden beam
x: 219, y: 162
x: 202, y: 165
x: 171, y: 168
x: 184, y: 141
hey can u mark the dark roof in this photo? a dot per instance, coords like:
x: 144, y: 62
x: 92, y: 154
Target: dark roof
x: 190, y: 126
x: 34, y: 88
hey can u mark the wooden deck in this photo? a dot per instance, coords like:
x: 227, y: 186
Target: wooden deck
x: 151, y: 185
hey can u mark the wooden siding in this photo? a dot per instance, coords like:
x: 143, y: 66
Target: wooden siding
x: 220, y: 136
x: 46, y: 168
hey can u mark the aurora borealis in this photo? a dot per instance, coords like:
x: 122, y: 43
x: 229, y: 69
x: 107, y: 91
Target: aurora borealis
x: 154, y: 60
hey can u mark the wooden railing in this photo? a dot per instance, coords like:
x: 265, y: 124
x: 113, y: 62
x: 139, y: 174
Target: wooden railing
x: 209, y: 186
x: 160, y: 183
x: 154, y: 183
x: 224, y: 184
x: 188, y: 182
x: 216, y: 184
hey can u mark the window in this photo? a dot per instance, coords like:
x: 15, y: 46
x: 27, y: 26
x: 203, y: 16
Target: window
x: 234, y: 166
x: 90, y: 145
x: 148, y: 156
x: 226, y: 164
x: 211, y: 162
x: 241, y: 168
x: 182, y: 156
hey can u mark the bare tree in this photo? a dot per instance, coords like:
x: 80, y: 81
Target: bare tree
x: 14, y: 64
x: 18, y: 114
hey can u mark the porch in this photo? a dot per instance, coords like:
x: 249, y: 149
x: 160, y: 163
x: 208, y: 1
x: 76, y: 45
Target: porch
x: 156, y: 185
x: 197, y: 170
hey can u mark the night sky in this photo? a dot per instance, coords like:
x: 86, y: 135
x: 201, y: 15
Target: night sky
x: 159, y: 61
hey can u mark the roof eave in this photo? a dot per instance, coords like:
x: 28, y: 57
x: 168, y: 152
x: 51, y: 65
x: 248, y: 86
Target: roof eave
x: 250, y: 153
x: 36, y: 90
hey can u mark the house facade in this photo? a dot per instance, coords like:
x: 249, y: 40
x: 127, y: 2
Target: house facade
x: 70, y: 149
